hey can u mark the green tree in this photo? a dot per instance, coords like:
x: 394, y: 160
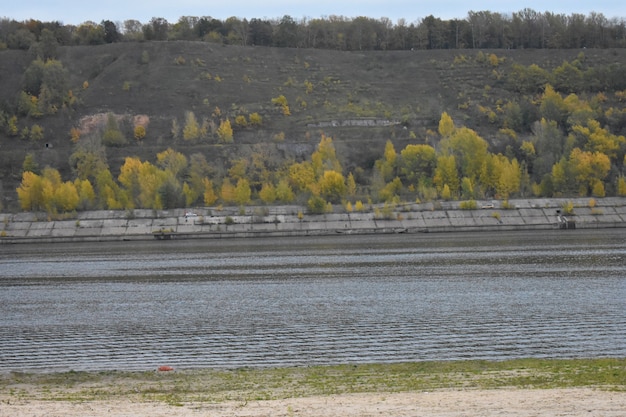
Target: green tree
x: 418, y: 163
x: 30, y: 164
x: 112, y: 135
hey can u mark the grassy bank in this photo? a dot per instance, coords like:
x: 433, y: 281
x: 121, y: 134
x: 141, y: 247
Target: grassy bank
x: 207, y: 385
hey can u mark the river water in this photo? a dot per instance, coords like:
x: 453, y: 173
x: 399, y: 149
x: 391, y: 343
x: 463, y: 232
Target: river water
x: 312, y: 300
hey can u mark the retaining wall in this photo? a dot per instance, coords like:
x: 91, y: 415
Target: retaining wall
x: 537, y: 214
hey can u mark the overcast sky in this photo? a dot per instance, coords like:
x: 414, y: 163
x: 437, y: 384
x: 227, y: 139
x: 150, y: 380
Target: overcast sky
x: 73, y: 12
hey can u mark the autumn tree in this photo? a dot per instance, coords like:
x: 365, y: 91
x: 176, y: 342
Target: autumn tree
x: 387, y: 165
x: 172, y: 161
x: 30, y: 192
x: 332, y: 186
x: 284, y: 193
x: 225, y: 132
x: 191, y: 130
x: 227, y: 191
x: 446, y: 125
x: 209, y: 195
x: 469, y: 149
x: 243, y: 192
x: 267, y: 194
x: 446, y: 174
x: 589, y: 168
x: 324, y: 158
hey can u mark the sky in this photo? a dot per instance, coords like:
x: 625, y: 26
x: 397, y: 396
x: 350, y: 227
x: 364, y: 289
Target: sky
x: 75, y: 12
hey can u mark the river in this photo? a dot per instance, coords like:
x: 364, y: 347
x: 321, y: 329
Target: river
x: 300, y: 301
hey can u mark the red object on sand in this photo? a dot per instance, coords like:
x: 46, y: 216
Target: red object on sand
x: 165, y: 368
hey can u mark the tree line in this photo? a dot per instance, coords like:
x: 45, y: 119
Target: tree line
x: 526, y: 28
x: 589, y: 161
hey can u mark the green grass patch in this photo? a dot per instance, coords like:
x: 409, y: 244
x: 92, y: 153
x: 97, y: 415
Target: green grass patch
x: 246, y: 384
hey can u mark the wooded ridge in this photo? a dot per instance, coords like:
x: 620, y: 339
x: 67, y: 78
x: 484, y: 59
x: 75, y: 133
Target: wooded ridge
x: 161, y: 125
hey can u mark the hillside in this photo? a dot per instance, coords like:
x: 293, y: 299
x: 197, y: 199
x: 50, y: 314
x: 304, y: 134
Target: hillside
x: 360, y: 99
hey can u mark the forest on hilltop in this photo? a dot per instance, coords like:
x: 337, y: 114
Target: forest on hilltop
x: 526, y: 28
x: 161, y: 125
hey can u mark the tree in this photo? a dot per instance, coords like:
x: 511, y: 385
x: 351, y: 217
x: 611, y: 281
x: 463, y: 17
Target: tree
x: 66, y: 197
x: 446, y: 125
x: 225, y: 132
x: 86, y: 194
x: 589, y: 168
x: 510, y: 177
x: 267, y: 194
x: 30, y: 192
x: 332, y: 186
x: 209, y: 193
x: 30, y: 164
x: 112, y: 135
x: 284, y: 193
x: 301, y: 175
x: 418, y: 162
x: 191, y: 131
x: 469, y: 150
x: 227, y: 192
x: 172, y: 161
x: 387, y: 166
x: 325, y: 158
x: 111, y: 33
x: 242, y: 192
x: 446, y: 174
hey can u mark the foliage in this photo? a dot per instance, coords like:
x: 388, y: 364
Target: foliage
x: 225, y: 132
x: 468, y: 205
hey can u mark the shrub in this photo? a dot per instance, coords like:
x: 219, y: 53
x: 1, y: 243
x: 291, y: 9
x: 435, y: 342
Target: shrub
x: 316, y: 205
x: 567, y: 208
x: 468, y: 205
x: 229, y: 220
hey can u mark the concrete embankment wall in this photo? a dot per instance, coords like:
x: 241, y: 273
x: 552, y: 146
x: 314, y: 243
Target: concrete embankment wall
x: 536, y: 214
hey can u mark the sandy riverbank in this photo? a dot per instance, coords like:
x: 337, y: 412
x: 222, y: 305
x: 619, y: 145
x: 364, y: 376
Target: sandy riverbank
x: 576, y: 402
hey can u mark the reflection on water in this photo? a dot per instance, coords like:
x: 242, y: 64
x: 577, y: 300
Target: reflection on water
x: 315, y: 300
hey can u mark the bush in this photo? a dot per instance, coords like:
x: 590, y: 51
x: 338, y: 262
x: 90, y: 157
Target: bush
x: 316, y: 205
x: 567, y: 208
x: 468, y: 205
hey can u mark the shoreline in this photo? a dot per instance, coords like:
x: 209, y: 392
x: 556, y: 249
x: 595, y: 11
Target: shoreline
x: 574, y: 402
x: 282, y: 221
x: 523, y: 388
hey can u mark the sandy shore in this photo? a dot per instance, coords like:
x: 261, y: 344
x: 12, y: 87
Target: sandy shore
x: 487, y: 403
